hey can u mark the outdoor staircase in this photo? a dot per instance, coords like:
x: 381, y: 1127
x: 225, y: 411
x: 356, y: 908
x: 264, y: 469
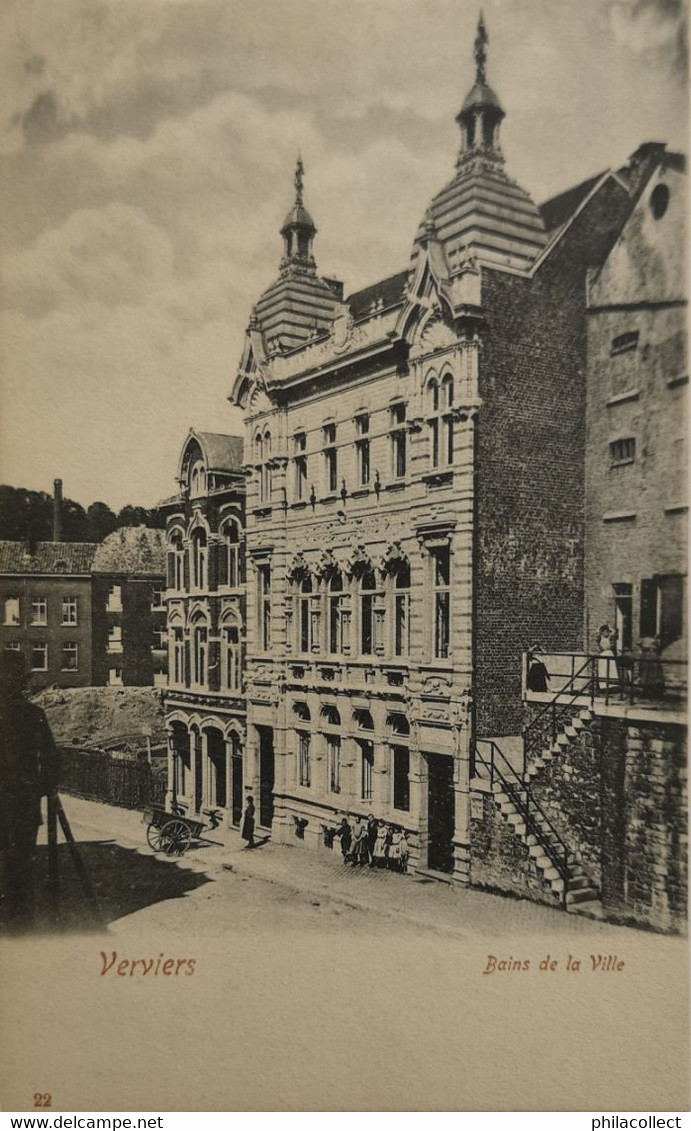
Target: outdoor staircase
x: 544, y: 847
x: 567, y: 732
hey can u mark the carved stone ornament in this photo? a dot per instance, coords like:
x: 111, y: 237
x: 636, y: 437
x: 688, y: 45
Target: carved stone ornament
x: 299, y: 568
x: 359, y: 562
x: 393, y: 558
x: 342, y: 330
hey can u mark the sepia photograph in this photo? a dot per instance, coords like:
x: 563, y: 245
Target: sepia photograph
x: 343, y: 555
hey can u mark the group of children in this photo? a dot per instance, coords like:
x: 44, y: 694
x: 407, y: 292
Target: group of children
x: 374, y: 843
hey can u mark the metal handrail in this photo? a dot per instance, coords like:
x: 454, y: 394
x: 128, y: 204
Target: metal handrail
x: 560, y: 861
x: 557, y: 708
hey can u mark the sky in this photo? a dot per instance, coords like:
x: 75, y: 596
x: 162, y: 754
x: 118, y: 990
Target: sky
x: 147, y: 150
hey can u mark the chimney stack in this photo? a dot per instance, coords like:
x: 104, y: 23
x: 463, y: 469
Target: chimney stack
x: 57, y: 510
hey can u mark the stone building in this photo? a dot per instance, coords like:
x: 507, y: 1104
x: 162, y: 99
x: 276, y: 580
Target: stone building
x: 205, y: 709
x: 636, y: 492
x: 416, y: 473
x: 86, y: 614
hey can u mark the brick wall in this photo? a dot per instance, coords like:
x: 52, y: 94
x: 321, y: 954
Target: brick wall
x: 530, y: 460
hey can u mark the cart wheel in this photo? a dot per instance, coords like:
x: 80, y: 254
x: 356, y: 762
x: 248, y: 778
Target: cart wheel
x: 175, y: 838
x: 154, y: 835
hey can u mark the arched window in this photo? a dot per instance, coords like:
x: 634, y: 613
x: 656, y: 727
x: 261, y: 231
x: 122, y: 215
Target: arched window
x: 331, y: 720
x: 400, y: 761
x: 302, y: 712
x: 265, y: 469
x: 397, y: 433
x: 197, y: 479
x: 176, y: 647
x: 233, y: 564
x: 200, y: 638
x: 199, y: 557
x: 305, y: 619
x: 440, y: 420
x: 334, y: 613
x: 231, y: 672
x: 176, y: 561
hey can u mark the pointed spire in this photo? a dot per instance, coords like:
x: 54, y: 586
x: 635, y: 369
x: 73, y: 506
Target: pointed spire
x: 481, y: 41
x: 299, y: 181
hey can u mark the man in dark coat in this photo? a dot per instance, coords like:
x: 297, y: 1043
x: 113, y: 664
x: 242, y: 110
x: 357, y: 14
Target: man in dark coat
x: 29, y: 770
x: 247, y: 831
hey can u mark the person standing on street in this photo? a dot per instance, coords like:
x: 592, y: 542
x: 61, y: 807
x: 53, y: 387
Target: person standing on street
x: 247, y: 831
x: 29, y: 770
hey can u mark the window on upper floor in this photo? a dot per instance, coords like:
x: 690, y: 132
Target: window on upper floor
x: 441, y: 600
x: 362, y: 448
x: 200, y: 644
x: 440, y: 420
x: 330, y: 458
x: 397, y: 434
x: 304, y: 766
x: 69, y: 610
x: 199, y: 550
x: 305, y: 626
x: 622, y: 343
x: 300, y: 466
x: 38, y: 656
x: 157, y: 601
x: 334, y: 612
x: 401, y: 602
x: 160, y: 639
x: 262, y: 445
x: 177, y: 642
x: 70, y: 656
x: 622, y: 451
x: 12, y: 613
x: 114, y: 601
x: 368, y: 588
x: 230, y: 657
x: 232, y: 571
x: 115, y: 638
x: 197, y: 479
x: 176, y: 561
x: 39, y: 610
x: 264, y: 603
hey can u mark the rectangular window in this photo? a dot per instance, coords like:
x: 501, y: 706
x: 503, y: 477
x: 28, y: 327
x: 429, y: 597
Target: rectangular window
x: 367, y: 590
x: 300, y: 441
x: 333, y: 757
x: 367, y: 766
x: 69, y: 610
x: 622, y: 451
x: 160, y: 639
x: 39, y: 656
x: 624, y: 342
x: 330, y: 458
x: 662, y: 608
x: 70, y: 656
x: 115, y: 638
x: 264, y: 574
x: 304, y: 758
x: 401, y: 778
x: 231, y: 646
x: 157, y: 597
x: 441, y: 577
x: 398, y: 440
x: 362, y: 446
x: 13, y: 646
x: 115, y: 677
x: 178, y: 656
x: 114, y: 604
x: 12, y: 610
x: 39, y: 610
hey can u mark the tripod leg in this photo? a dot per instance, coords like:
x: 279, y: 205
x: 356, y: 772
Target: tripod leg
x: 53, y: 874
x: 78, y: 862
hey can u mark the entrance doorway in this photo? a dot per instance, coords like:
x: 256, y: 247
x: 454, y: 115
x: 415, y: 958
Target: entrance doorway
x: 216, y: 768
x: 236, y: 788
x: 440, y: 812
x: 266, y: 776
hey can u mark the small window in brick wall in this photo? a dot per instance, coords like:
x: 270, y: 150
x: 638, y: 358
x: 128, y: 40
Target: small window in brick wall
x: 622, y: 451
x: 624, y: 342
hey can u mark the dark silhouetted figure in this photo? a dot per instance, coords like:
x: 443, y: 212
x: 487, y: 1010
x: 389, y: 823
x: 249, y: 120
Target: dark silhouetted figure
x: 29, y: 770
x: 247, y: 831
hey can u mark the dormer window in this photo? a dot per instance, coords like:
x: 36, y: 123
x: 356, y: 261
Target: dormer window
x: 197, y: 479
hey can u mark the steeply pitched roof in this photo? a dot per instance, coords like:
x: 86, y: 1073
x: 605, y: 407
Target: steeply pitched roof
x: 223, y: 453
x: 132, y: 550
x: 390, y: 291
x: 47, y: 557
x: 558, y: 209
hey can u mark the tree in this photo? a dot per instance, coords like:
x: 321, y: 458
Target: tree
x: 102, y: 521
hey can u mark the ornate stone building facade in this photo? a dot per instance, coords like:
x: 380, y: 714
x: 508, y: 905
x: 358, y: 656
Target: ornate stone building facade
x: 205, y: 710
x: 416, y: 465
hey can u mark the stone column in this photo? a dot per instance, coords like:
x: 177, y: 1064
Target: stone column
x: 191, y: 792
x: 228, y: 743
x: 170, y: 771
x: 418, y: 807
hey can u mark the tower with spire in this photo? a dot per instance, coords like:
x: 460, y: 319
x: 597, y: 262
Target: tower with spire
x: 298, y: 306
x: 482, y: 214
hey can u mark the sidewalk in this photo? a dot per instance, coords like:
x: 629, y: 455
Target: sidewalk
x: 287, y: 871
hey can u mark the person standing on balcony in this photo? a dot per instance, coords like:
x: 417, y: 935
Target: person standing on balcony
x: 607, y: 646
x: 538, y: 677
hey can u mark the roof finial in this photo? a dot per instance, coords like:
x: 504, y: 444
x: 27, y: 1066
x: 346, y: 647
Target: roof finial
x: 481, y: 41
x: 299, y: 178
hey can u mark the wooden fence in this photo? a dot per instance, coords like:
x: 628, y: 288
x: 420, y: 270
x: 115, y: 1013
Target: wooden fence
x: 97, y: 776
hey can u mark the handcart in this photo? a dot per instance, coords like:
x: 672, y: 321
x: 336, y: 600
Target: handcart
x: 171, y: 833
